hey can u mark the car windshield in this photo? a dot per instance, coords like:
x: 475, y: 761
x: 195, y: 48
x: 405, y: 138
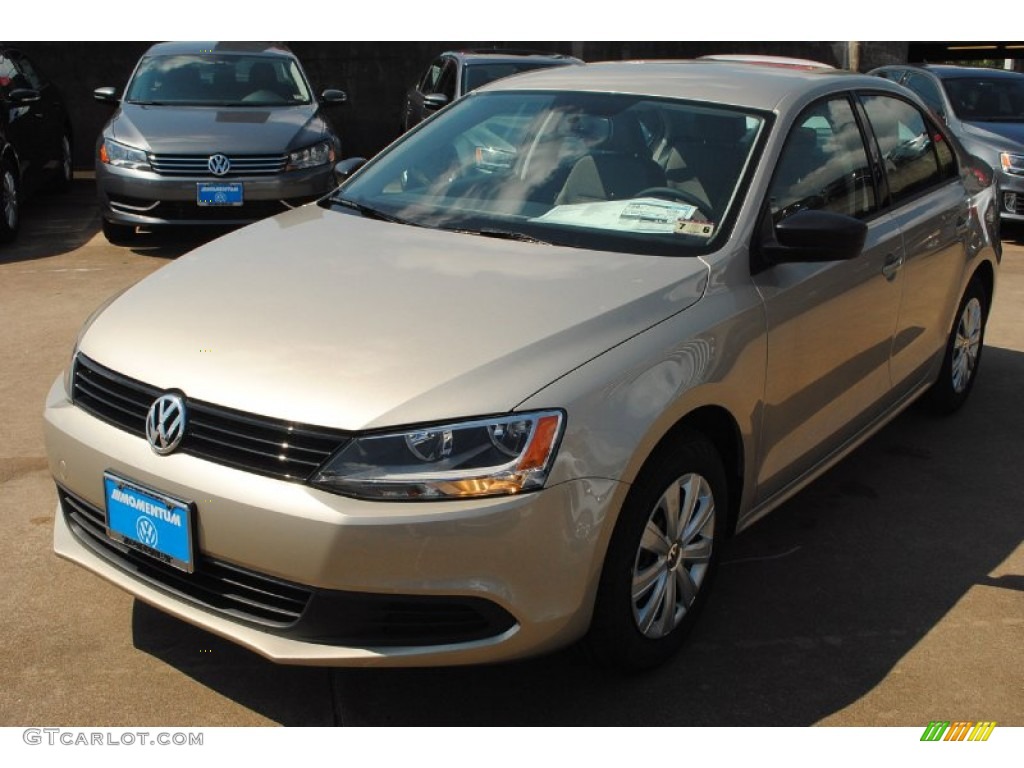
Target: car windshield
x: 602, y: 171
x: 987, y: 99
x: 218, y: 79
x: 480, y: 73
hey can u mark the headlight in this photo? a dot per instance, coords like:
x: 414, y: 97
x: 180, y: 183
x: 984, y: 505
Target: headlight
x: 1012, y: 163
x: 311, y: 157
x: 123, y: 156
x: 483, y: 457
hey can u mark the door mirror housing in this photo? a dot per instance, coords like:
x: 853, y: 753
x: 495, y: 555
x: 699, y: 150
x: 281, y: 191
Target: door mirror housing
x: 333, y: 96
x: 813, y: 236
x: 107, y: 95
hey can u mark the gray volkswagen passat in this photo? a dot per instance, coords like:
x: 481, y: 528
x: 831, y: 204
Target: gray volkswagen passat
x: 515, y: 381
x: 213, y: 133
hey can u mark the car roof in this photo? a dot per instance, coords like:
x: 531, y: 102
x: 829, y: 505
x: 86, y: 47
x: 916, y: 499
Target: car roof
x: 501, y: 56
x: 740, y: 84
x: 191, y: 47
x: 955, y: 70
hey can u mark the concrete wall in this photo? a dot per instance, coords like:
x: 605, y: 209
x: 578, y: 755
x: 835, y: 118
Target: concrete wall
x: 376, y: 75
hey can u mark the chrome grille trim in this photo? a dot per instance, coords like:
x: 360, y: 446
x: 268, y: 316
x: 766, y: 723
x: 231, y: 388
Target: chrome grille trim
x: 267, y: 446
x: 198, y: 165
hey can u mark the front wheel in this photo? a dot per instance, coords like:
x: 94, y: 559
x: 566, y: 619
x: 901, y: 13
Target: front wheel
x: 963, y: 352
x: 118, y: 234
x: 662, y: 556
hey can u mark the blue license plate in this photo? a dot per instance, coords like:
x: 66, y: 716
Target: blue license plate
x: 218, y: 194
x: 150, y: 522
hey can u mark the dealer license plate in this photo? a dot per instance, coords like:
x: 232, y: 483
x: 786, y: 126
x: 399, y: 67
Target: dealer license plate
x: 151, y: 522
x: 209, y: 193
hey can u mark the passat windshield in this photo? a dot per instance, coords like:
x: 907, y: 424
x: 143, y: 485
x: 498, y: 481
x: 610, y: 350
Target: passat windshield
x: 987, y: 99
x: 595, y: 170
x: 218, y: 80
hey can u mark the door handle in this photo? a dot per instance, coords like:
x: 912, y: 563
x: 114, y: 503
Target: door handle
x: 892, y: 265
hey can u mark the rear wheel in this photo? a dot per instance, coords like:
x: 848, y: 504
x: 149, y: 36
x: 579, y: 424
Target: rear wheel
x: 66, y: 171
x: 963, y: 352
x: 10, y: 212
x: 662, y: 556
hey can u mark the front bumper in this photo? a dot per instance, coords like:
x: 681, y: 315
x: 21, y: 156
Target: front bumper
x: 1011, y: 197
x: 145, y: 198
x: 525, y: 566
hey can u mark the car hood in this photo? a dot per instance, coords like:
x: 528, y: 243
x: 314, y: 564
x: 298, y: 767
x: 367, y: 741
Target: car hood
x: 327, y: 318
x: 232, y: 130
x: 997, y: 134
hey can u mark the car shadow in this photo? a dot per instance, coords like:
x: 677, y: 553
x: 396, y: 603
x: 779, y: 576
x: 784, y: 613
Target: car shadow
x: 54, y: 223
x: 812, y: 609
x: 173, y: 242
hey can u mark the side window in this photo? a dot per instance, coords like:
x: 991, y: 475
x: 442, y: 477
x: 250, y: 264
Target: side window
x: 35, y: 81
x: 446, y: 83
x: 923, y: 86
x: 823, y: 165
x: 907, y: 145
x: 429, y: 82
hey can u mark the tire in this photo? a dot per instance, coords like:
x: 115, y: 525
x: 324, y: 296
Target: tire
x: 670, y: 558
x: 10, y: 203
x: 963, y: 352
x: 66, y: 171
x: 118, y: 234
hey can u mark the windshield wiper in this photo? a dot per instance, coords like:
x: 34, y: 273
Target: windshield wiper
x: 502, y: 234
x: 369, y: 212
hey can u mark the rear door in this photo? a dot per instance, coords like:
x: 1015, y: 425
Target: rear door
x: 929, y: 203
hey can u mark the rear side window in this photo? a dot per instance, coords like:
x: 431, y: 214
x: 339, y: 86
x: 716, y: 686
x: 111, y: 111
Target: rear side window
x: 908, y: 143
x: 823, y: 165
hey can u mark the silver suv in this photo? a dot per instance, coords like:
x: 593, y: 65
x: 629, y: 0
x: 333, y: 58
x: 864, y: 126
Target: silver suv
x: 213, y: 133
x: 984, y: 109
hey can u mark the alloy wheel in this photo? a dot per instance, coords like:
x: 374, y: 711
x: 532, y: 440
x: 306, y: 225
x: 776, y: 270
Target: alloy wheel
x: 967, y: 345
x: 674, y: 555
x: 10, y: 200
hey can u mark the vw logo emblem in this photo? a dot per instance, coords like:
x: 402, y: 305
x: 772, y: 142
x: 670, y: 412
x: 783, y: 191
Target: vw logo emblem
x: 165, y: 423
x: 218, y: 164
x: 146, y: 532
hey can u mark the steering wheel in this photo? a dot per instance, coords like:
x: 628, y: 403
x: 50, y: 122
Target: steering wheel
x: 678, y: 194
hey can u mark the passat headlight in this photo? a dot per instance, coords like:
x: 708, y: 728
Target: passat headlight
x: 311, y: 157
x: 121, y: 155
x: 480, y: 457
x: 1012, y: 163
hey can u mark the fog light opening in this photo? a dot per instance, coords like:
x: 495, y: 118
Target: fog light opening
x: 1010, y: 202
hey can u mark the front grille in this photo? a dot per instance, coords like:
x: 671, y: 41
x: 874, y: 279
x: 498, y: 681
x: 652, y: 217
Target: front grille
x: 332, y: 617
x: 198, y: 165
x: 215, y: 585
x: 274, y: 447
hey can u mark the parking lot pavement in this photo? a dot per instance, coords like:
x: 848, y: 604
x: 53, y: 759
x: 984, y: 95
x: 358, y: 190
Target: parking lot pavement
x: 889, y: 592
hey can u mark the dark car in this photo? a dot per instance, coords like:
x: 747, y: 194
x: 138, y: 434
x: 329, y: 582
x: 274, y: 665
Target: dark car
x: 984, y: 109
x: 213, y: 133
x: 454, y: 73
x: 35, y: 137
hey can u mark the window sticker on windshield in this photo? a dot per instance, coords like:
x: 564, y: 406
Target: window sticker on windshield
x: 641, y: 215
x: 698, y: 228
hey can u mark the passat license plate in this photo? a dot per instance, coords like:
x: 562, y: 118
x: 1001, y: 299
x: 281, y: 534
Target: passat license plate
x: 218, y: 194
x: 149, y: 521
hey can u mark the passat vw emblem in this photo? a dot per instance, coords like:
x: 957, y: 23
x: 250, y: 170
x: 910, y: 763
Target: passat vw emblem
x: 218, y: 165
x: 165, y: 423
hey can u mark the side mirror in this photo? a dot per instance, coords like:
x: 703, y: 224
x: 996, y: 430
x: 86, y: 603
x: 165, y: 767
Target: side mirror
x: 435, y: 101
x: 107, y: 95
x: 333, y: 96
x: 24, y: 96
x: 345, y: 168
x: 814, y: 236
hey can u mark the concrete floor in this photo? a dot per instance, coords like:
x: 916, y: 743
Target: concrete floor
x: 890, y: 592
